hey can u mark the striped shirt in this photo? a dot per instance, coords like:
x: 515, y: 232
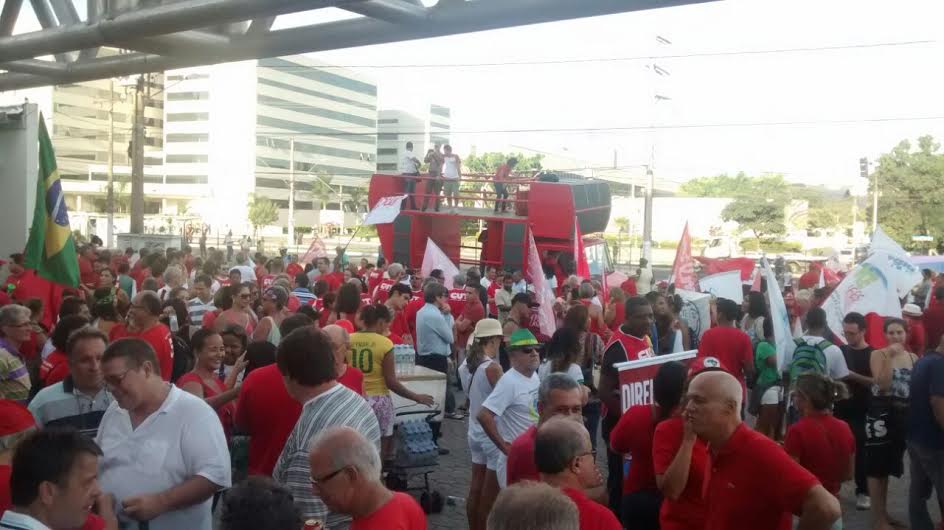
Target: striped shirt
x: 338, y: 406
x: 197, y: 308
x: 304, y: 295
x: 63, y: 405
x: 14, y: 377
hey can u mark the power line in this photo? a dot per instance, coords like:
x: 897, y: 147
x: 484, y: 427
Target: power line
x: 804, y: 49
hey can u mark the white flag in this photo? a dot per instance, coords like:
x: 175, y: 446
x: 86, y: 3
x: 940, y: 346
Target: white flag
x: 779, y: 317
x: 435, y: 258
x: 906, y: 274
x: 542, y: 290
x: 385, y: 211
x: 871, y: 287
x: 724, y: 285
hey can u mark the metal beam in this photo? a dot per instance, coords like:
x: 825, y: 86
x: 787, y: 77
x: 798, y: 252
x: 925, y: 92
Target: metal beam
x: 11, y: 10
x: 65, y: 12
x: 260, y: 26
x: 47, y: 19
x: 49, y: 69
x: 147, y: 22
x: 454, y: 19
x: 178, y: 43
x: 396, y: 11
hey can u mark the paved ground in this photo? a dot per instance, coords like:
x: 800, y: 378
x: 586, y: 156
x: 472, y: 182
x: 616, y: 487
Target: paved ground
x: 452, y: 478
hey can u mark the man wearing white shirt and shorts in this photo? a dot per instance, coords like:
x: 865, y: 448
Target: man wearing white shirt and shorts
x: 165, y: 453
x: 452, y: 173
x: 512, y: 406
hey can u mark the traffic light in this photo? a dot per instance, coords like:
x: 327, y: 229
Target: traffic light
x: 864, y: 167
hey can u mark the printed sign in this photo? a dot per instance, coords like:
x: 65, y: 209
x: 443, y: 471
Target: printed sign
x: 636, y: 377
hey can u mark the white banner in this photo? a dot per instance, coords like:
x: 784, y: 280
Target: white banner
x: 696, y: 311
x: 871, y: 287
x: 542, y: 290
x: 435, y: 258
x: 779, y: 317
x: 724, y: 285
x: 385, y: 211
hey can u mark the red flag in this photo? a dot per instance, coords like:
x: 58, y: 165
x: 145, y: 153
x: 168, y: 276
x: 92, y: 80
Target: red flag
x: 580, y: 257
x: 315, y: 250
x: 714, y: 266
x: 755, y: 285
x: 683, y: 270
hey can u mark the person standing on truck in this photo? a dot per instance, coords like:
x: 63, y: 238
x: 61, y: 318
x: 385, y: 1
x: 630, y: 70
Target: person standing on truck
x: 434, y: 185
x: 409, y: 167
x: 452, y: 174
x: 502, y: 181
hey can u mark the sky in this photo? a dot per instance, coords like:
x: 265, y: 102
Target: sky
x: 892, y: 72
x: 878, y: 82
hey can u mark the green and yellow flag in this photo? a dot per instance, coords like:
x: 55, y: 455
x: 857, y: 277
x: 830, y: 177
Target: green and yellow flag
x: 50, y: 248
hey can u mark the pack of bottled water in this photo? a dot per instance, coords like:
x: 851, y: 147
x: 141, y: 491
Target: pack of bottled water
x: 415, y: 445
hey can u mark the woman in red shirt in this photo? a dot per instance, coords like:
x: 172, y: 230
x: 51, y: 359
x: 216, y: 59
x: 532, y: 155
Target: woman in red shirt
x: 678, y: 458
x: 204, y: 381
x: 820, y: 442
x: 633, y: 436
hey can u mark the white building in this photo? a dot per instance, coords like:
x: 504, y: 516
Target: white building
x: 238, y: 126
x: 396, y: 127
x: 77, y: 118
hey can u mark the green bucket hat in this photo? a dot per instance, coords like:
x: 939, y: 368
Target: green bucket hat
x: 522, y: 338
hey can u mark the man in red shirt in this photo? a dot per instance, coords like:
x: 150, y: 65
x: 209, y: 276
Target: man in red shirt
x: 470, y: 316
x: 360, y: 493
x: 731, y: 346
x: 564, y: 456
x: 394, y: 273
x: 629, y: 342
x: 558, y: 397
x: 752, y: 482
x: 397, y: 300
x: 457, y: 295
x: 629, y: 286
x: 375, y: 276
x: 268, y: 414
x: 933, y: 319
x: 143, y: 315
x: 87, y: 274
x: 347, y: 375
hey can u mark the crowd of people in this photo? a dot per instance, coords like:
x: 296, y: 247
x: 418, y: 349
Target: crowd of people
x: 170, y: 390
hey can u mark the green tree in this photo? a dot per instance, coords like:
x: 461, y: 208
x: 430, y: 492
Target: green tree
x: 321, y: 190
x: 488, y: 163
x: 763, y: 218
x: 356, y: 200
x: 721, y: 185
x: 262, y: 212
x: 910, y: 191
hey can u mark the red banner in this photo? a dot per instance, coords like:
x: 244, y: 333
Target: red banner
x: 636, y: 377
x: 714, y: 266
x: 683, y: 270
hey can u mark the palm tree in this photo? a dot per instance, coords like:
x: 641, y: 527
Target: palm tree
x: 321, y: 190
x: 356, y: 199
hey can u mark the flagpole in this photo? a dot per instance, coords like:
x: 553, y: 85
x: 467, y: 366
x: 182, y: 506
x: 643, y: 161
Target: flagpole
x: 356, y: 230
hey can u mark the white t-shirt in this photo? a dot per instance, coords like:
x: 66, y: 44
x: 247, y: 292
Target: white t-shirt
x: 515, y: 401
x: 835, y: 361
x: 183, y: 439
x: 408, y: 163
x: 450, y: 166
x: 246, y: 274
x: 573, y: 371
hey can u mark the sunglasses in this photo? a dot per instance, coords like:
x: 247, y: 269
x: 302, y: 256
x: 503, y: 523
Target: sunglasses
x: 528, y: 350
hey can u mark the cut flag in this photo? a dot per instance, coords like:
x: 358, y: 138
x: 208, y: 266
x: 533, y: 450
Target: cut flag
x: 580, y: 255
x: 435, y: 258
x: 683, y: 269
x: 779, y: 316
x: 50, y: 249
x: 542, y: 290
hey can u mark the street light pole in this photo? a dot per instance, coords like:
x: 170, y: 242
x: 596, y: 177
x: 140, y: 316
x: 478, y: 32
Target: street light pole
x: 137, y: 165
x: 658, y: 72
x: 110, y: 200
x: 875, y: 202
x: 291, y: 192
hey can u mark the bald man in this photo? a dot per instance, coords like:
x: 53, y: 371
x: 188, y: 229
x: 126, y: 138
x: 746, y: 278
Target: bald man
x: 564, y: 457
x: 533, y: 506
x: 347, y: 375
x: 753, y: 483
x: 345, y: 474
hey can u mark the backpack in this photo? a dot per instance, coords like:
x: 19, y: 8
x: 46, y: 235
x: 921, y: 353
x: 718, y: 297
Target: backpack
x: 807, y: 358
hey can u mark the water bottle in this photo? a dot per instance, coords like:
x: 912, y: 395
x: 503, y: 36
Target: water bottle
x: 455, y: 501
x: 398, y: 359
x: 174, y: 326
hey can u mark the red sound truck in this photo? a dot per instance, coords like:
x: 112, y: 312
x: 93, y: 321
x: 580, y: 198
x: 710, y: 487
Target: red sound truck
x: 545, y: 206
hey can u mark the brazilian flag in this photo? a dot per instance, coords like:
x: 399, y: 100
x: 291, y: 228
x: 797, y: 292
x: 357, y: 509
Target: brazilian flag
x: 51, y: 249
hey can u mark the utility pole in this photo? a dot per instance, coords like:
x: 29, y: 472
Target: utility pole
x: 658, y: 72
x: 137, y: 165
x: 875, y: 202
x: 291, y: 192
x: 110, y: 200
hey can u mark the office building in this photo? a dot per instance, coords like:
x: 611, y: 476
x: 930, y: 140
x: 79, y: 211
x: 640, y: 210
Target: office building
x: 396, y: 127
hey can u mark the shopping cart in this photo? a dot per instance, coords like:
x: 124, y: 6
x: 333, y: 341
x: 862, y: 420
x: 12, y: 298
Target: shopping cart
x: 415, y: 455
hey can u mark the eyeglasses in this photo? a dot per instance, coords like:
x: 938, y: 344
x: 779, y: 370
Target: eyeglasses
x: 528, y: 350
x: 319, y: 481
x: 115, y: 381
